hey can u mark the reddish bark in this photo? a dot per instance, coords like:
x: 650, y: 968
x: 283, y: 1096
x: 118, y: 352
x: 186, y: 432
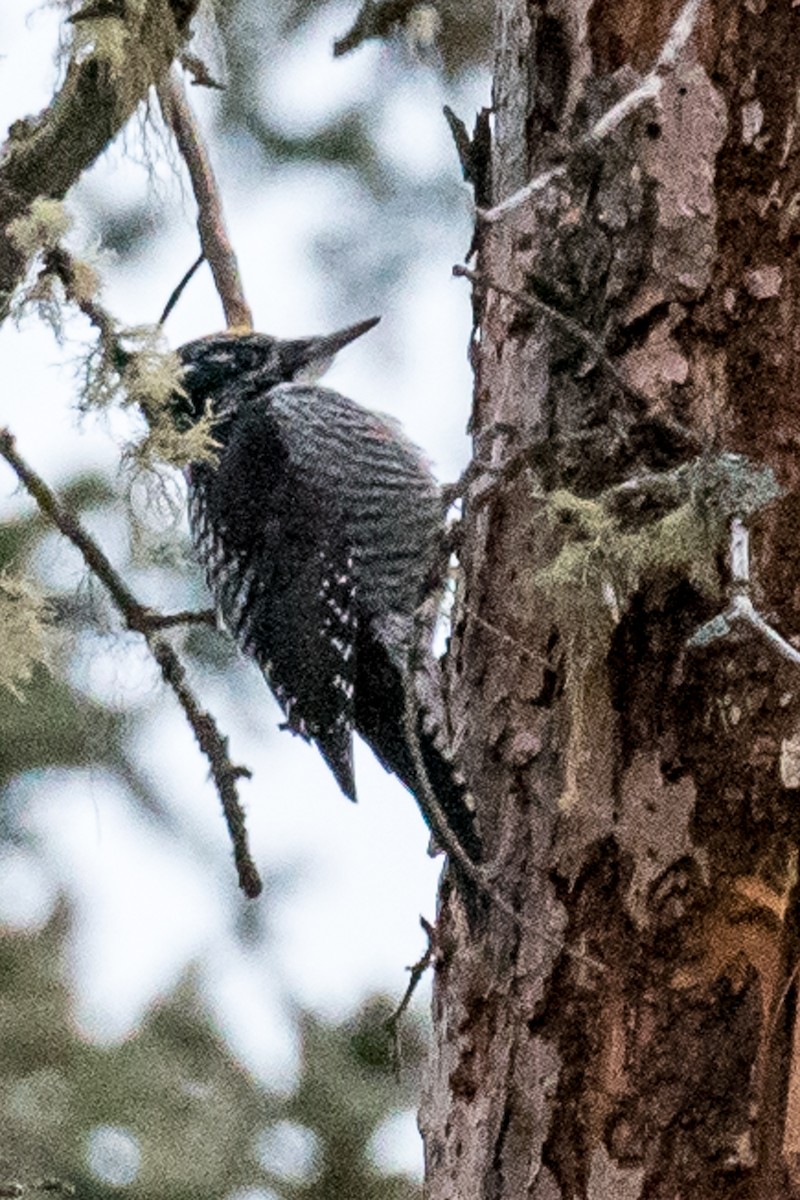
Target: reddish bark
x: 653, y: 823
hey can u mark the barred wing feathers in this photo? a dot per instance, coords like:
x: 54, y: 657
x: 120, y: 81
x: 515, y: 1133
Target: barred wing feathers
x: 280, y: 569
x: 386, y: 497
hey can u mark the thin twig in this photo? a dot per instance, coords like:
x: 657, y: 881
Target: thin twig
x: 214, y: 239
x: 142, y: 620
x: 178, y: 291
x: 62, y: 518
x: 505, y: 472
x: 223, y: 771
x: 199, y: 71
x: 417, y: 971
x: 741, y: 610
x: 374, y: 20
x: 506, y: 638
x: 648, y: 89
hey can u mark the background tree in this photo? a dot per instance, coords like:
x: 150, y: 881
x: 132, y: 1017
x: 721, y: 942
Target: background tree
x: 170, y: 1110
x: 633, y: 1032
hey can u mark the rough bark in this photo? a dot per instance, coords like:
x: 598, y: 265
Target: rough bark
x: 638, y: 800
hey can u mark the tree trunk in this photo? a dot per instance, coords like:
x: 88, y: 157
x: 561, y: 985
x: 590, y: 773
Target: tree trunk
x: 636, y: 1032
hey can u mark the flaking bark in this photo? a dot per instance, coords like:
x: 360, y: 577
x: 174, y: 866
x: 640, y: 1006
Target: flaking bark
x: 638, y: 800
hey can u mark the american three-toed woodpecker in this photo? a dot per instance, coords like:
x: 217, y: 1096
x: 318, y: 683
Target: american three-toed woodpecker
x: 318, y: 528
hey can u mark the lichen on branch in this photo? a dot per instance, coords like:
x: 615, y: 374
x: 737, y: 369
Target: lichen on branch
x: 144, y: 373
x: 40, y: 228
x: 112, y: 61
x: 129, y: 367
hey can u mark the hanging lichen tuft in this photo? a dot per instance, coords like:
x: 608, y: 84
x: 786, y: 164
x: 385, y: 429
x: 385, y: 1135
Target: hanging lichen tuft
x: 671, y: 524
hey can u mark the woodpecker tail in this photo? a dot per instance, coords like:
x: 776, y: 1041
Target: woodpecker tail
x: 380, y: 719
x: 449, y: 792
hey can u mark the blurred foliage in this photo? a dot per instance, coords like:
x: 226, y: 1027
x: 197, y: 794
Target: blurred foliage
x: 55, y: 721
x: 170, y: 1114
x: 51, y: 724
x: 464, y: 27
x: 25, y: 630
x: 254, y: 36
x: 397, y: 215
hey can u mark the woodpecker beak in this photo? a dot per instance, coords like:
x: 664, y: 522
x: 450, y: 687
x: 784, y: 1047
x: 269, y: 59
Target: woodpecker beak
x: 309, y: 358
x: 334, y: 342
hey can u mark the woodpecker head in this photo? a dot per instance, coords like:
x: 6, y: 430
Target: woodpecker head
x: 227, y: 367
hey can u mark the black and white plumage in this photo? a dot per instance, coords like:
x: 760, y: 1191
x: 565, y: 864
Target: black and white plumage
x: 318, y: 528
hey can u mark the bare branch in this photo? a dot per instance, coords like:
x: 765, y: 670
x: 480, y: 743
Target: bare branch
x: 537, y: 184
x: 741, y: 610
x: 374, y: 20
x: 474, y: 153
x: 72, y: 529
x: 44, y: 155
x: 216, y: 244
x: 648, y: 89
x: 142, y: 620
x: 416, y: 972
x: 151, y: 621
x: 224, y: 773
x: 505, y: 638
x: 200, y: 73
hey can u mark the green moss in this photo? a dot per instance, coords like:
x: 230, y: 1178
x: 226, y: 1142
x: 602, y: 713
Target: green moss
x: 610, y: 553
x: 605, y: 557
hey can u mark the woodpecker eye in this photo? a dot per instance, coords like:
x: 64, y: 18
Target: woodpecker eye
x: 219, y: 358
